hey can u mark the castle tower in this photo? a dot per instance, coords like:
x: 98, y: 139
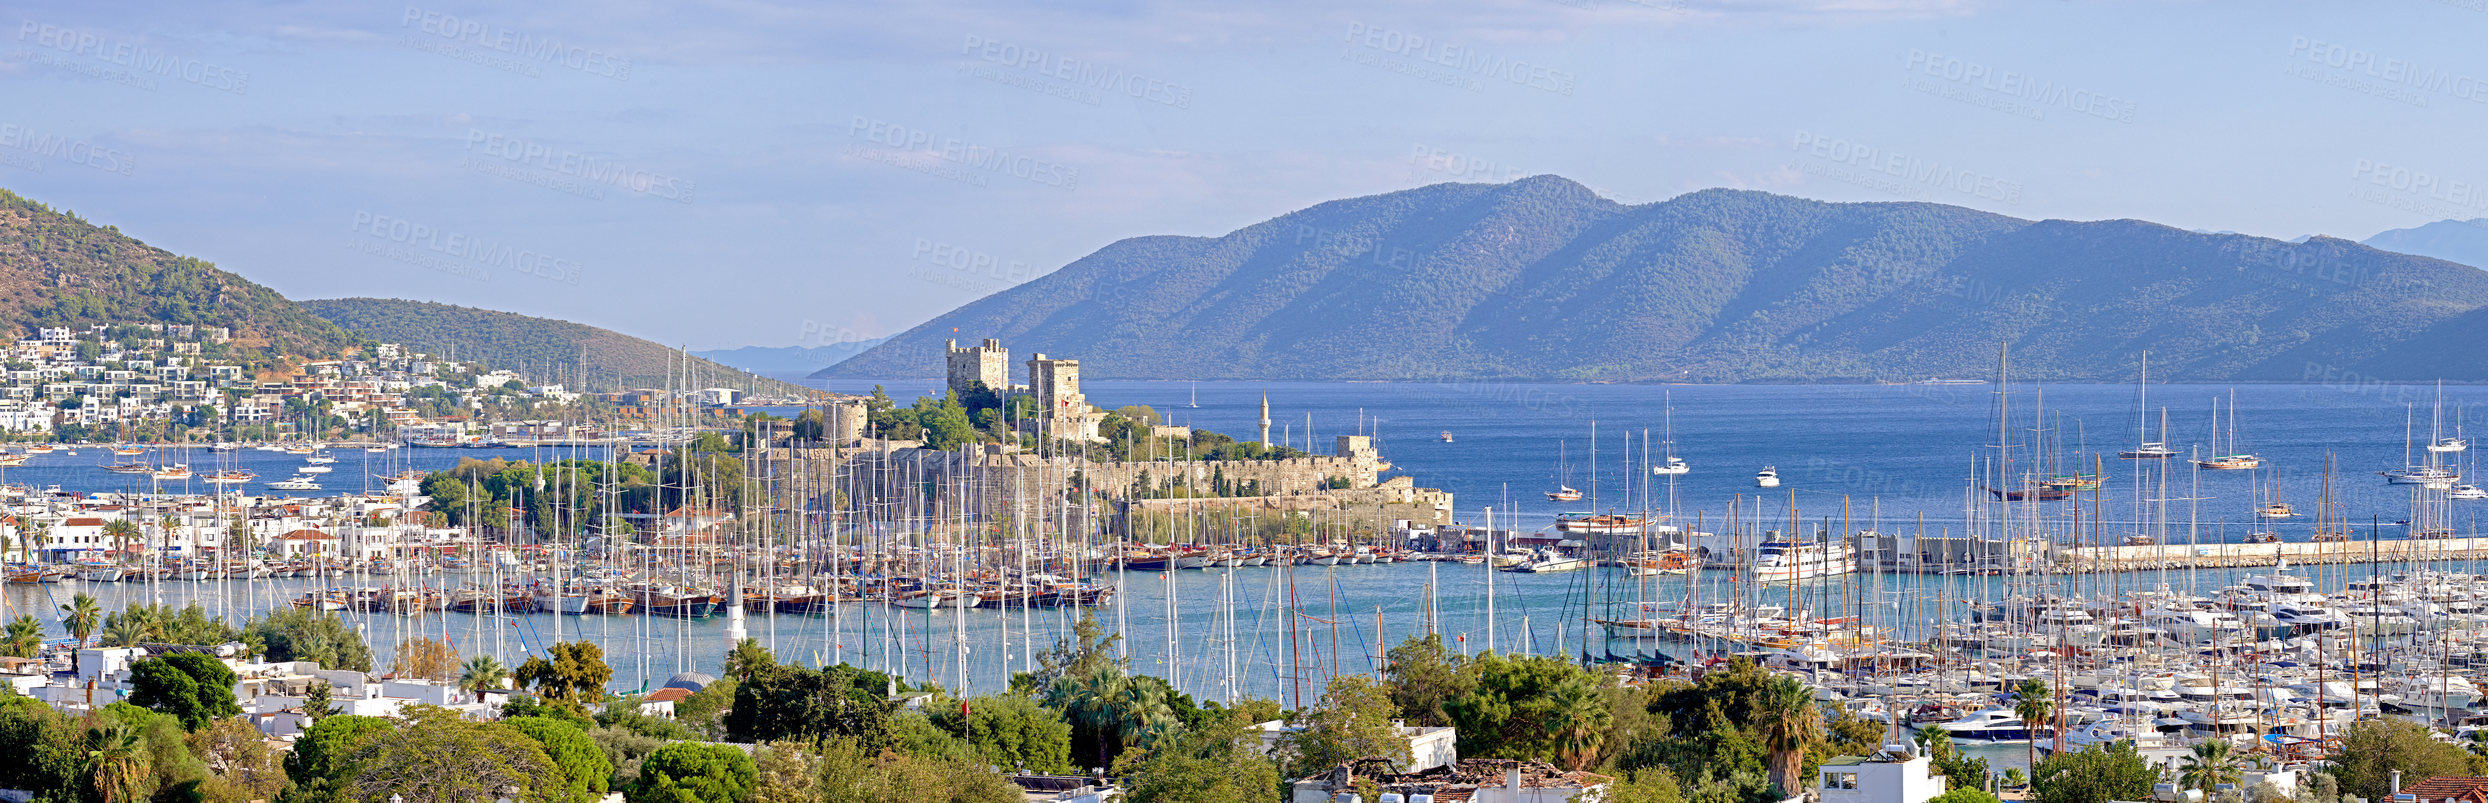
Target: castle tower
x: 1265, y: 420
x: 989, y: 363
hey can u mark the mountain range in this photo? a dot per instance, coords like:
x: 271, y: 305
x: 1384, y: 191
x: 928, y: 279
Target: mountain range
x: 575, y: 354
x: 58, y: 269
x: 1541, y: 279
x: 2464, y: 241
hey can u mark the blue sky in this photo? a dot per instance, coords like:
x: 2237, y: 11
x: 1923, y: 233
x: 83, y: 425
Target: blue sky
x: 747, y: 173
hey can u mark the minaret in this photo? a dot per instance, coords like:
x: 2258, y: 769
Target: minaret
x: 1265, y: 420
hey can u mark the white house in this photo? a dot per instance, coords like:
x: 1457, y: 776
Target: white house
x: 1893, y: 775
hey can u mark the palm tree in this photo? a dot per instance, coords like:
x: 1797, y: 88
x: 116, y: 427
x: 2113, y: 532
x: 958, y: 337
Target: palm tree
x: 747, y: 658
x: 1579, y: 722
x: 35, y: 533
x: 2211, y: 765
x: 23, y: 638
x: 482, y: 672
x: 124, y: 630
x: 40, y: 535
x: 117, y: 761
x: 1088, y: 700
x: 2033, y: 705
x: 1933, y: 740
x: 1141, y: 712
x: 121, y: 532
x: 1786, y: 718
x: 81, y: 616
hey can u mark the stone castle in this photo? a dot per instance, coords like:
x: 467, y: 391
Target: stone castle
x: 1053, y: 384
x: 998, y: 479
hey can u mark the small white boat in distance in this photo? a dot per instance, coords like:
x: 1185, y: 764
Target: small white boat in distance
x: 2449, y: 445
x: 1674, y: 465
x: 1769, y: 477
x: 296, y: 483
x: 1565, y: 493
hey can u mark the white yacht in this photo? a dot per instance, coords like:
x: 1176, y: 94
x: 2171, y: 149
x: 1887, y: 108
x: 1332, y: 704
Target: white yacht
x: 1674, y: 465
x: 1987, y: 725
x: 1786, y: 560
x: 1769, y: 477
x: 1547, y: 560
x: 296, y: 483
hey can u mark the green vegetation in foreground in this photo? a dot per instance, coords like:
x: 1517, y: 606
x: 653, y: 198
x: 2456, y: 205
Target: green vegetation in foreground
x: 842, y: 734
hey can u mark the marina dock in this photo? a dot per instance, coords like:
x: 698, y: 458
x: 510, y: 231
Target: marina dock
x: 2173, y: 556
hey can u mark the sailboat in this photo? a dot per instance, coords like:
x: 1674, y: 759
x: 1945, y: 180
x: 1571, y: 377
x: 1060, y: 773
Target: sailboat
x: 2148, y: 449
x: 1196, y: 395
x: 2432, y: 474
x: 2270, y: 508
x: 1564, y: 492
x: 2230, y: 458
x: 2330, y: 526
x: 1673, y: 464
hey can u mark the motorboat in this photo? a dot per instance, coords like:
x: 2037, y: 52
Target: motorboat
x: 1768, y: 477
x: 1987, y: 725
x: 1547, y: 560
x: 296, y: 483
x: 1788, y: 560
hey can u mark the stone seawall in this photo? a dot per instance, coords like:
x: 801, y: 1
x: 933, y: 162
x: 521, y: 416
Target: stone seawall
x: 995, y: 483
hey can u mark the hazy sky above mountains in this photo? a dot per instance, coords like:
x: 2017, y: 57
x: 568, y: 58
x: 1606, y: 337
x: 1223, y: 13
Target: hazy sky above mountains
x: 752, y: 173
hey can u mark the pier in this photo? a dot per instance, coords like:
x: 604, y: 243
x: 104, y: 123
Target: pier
x: 2208, y: 556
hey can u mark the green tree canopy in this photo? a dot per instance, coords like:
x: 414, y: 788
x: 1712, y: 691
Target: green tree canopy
x: 583, y: 765
x: 695, y: 772
x: 576, y: 675
x: 1352, y: 720
x: 305, y: 634
x: 1219, y: 762
x: 435, y: 755
x: 792, y: 702
x: 1424, y: 675
x: 193, y: 687
x: 2093, y: 774
x: 1011, y: 731
x: 2372, y: 750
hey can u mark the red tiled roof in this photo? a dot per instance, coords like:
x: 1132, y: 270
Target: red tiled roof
x: 306, y: 535
x: 83, y: 521
x: 2449, y: 788
x: 666, y: 695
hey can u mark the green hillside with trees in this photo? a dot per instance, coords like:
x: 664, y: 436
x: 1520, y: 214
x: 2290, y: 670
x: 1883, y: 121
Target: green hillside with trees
x: 57, y: 269
x: 573, y: 354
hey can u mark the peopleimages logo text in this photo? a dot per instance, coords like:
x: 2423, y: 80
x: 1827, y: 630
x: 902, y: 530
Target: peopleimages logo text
x: 474, y: 251
x: 1460, y: 59
x: 581, y: 166
x: 1079, y: 72
x: 526, y: 46
x: 137, y: 58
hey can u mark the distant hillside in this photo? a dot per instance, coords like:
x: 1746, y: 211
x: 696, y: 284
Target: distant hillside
x: 785, y: 359
x: 56, y: 269
x: 1542, y: 279
x: 2464, y: 241
x: 575, y: 354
